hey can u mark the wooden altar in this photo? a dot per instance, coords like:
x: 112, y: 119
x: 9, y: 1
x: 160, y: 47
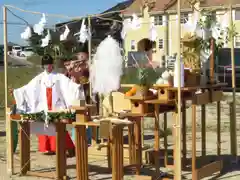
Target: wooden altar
x: 25, y: 160
x: 166, y: 101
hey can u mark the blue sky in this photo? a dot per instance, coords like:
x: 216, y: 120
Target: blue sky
x: 72, y: 8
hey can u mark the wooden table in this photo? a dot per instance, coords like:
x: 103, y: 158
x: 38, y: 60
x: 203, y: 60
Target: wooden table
x: 82, y: 150
x: 141, y: 109
x: 208, y: 169
x: 25, y: 160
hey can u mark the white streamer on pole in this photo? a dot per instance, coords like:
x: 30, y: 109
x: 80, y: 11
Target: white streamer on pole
x: 46, y: 39
x: 83, y: 34
x: 65, y: 34
x: 39, y: 28
x: 27, y: 33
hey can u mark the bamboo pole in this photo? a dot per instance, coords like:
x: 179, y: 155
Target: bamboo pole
x: 233, y: 120
x: 177, y: 154
x: 8, y: 123
x: 90, y: 49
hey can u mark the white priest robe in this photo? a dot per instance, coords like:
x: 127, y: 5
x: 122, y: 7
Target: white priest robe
x: 34, y: 97
x: 31, y: 98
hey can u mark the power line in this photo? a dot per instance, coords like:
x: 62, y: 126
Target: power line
x: 18, y: 16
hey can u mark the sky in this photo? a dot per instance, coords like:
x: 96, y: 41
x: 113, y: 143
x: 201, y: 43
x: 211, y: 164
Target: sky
x: 71, y: 8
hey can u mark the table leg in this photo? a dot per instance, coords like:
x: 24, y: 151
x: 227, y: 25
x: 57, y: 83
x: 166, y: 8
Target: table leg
x: 94, y: 136
x: 131, y: 142
x: 157, y: 137
x: 218, y: 128
x: 184, y: 134
x: 109, y: 151
x: 61, y: 151
x: 165, y: 140
x: 138, y: 143
x: 194, y: 142
x: 203, y: 120
x: 117, y: 153
x: 81, y: 153
x: 24, y: 134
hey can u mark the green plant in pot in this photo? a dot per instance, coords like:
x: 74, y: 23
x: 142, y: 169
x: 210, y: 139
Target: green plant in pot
x: 143, y: 82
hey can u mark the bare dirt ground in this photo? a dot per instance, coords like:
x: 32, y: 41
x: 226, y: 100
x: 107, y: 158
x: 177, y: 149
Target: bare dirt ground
x: 230, y: 172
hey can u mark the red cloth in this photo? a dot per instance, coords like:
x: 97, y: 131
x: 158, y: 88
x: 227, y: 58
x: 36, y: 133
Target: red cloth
x: 48, y: 143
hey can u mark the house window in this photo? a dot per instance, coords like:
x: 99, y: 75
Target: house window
x: 133, y: 45
x: 184, y: 18
x: 237, y: 41
x: 158, y: 20
x: 237, y: 14
x: 160, y: 44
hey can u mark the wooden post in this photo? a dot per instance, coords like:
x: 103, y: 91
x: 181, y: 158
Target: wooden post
x: 81, y: 152
x: 90, y: 48
x: 24, y: 138
x: 61, y: 166
x: 203, y: 120
x: 10, y: 154
x: 233, y: 120
x: 218, y: 128
x: 137, y: 134
x: 184, y: 133
x: 212, y: 79
x: 194, y: 142
x: 93, y: 129
x: 165, y: 140
x: 131, y: 142
x: 9, y: 139
x: 177, y: 154
x: 157, y: 138
x: 117, y: 153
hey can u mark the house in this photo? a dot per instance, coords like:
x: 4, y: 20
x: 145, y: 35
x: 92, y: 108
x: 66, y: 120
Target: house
x: 164, y: 15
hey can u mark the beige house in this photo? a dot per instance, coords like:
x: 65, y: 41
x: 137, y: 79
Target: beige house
x: 163, y: 14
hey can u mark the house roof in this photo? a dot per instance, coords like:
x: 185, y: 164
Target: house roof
x: 171, y: 5
x: 120, y: 6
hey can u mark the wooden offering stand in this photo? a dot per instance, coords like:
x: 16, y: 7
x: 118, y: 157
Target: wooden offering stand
x: 24, y: 140
x: 139, y: 110
x: 25, y: 160
x: 112, y: 129
x: 167, y: 101
x: 209, y: 94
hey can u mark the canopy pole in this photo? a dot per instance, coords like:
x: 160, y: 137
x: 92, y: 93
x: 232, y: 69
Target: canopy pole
x: 90, y: 53
x: 177, y: 154
x: 233, y: 119
x: 9, y: 141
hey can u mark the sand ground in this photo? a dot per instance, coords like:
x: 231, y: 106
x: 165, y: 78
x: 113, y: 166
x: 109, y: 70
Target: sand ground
x: 231, y: 171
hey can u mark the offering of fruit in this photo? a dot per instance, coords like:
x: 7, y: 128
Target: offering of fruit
x: 131, y: 92
x: 15, y: 116
x: 128, y: 93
